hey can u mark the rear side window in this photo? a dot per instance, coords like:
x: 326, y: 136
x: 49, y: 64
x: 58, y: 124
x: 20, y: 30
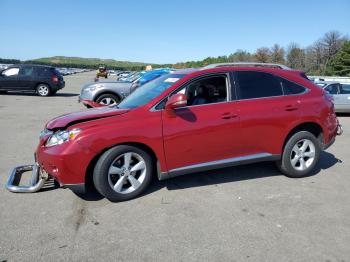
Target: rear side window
x: 43, y: 71
x: 253, y: 84
x: 56, y: 72
x: 290, y: 88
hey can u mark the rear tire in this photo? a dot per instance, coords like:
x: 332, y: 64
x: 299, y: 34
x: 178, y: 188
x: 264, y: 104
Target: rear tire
x: 300, y: 155
x: 123, y: 172
x: 43, y: 90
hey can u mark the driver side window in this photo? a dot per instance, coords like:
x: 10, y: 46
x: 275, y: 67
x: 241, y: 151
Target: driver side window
x: 332, y: 89
x: 206, y: 90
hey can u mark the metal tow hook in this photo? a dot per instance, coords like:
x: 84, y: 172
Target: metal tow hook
x: 37, y: 181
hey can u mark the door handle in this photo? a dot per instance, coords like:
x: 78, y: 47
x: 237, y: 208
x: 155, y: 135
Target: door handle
x: 228, y: 115
x: 291, y: 108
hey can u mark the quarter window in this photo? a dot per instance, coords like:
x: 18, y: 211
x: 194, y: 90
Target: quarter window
x: 290, y: 88
x: 257, y: 85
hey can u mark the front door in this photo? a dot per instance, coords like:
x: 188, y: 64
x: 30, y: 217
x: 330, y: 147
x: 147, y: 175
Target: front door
x: 206, y: 130
x: 9, y: 79
x: 26, y: 79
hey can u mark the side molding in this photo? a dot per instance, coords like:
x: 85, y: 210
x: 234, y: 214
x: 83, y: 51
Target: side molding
x: 234, y: 161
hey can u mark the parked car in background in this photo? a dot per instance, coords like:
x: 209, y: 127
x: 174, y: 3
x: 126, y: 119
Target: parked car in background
x: 184, y: 122
x: 111, y: 73
x: 109, y: 93
x: 44, y: 80
x: 340, y: 93
x: 124, y: 74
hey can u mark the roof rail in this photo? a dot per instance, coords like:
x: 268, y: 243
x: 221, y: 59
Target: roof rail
x: 271, y: 65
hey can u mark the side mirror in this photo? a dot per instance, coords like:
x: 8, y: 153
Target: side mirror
x: 176, y: 101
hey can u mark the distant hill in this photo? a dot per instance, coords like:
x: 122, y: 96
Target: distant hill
x: 63, y: 61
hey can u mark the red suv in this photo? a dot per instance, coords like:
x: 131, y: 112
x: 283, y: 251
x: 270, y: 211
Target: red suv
x: 185, y: 122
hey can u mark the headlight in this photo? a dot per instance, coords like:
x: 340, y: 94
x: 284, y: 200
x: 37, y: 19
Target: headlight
x: 61, y: 137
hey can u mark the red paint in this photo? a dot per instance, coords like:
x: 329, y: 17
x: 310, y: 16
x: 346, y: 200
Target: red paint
x: 190, y: 135
x: 90, y: 103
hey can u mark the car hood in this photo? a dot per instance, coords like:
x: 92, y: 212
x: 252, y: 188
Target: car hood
x: 104, y: 83
x: 91, y: 114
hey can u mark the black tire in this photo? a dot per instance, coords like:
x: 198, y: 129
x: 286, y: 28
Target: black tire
x: 101, y: 176
x: 285, y: 164
x: 105, y: 97
x: 2, y: 92
x: 41, y: 87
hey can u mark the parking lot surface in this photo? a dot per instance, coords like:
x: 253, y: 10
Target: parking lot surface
x: 246, y: 213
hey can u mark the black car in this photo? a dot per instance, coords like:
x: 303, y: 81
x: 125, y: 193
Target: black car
x: 44, y: 80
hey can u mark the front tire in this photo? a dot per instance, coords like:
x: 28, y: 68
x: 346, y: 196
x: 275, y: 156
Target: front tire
x: 300, y: 155
x: 108, y: 100
x: 43, y: 90
x: 123, y: 172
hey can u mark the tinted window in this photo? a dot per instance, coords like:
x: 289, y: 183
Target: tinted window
x: 26, y: 71
x: 345, y: 89
x: 257, y: 84
x: 290, y: 88
x: 332, y: 89
x: 56, y: 72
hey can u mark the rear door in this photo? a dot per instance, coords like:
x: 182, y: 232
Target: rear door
x: 26, y: 78
x: 265, y: 112
x: 9, y: 79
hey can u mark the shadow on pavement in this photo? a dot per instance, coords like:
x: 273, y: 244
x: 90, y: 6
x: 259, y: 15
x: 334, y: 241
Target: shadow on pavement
x: 221, y: 176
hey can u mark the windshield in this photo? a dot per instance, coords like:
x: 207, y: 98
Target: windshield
x: 132, y: 77
x: 150, y: 90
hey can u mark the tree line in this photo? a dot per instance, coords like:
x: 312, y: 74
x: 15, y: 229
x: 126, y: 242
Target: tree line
x: 329, y: 55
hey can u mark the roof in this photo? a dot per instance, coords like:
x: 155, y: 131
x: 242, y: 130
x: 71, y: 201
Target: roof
x: 247, y: 64
x: 185, y: 71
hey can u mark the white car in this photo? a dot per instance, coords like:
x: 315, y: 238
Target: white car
x: 340, y: 93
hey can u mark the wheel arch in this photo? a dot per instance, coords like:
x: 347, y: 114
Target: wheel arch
x: 90, y: 168
x: 105, y: 92
x: 312, y: 127
x: 42, y: 83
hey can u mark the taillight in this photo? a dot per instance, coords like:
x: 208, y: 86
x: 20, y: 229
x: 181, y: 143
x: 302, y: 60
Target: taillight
x: 55, y: 79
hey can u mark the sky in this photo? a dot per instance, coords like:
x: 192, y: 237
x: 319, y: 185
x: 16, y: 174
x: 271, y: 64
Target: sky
x: 158, y: 31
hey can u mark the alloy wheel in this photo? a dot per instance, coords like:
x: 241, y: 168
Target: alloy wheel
x: 108, y: 101
x: 43, y: 90
x: 127, y: 173
x: 302, y: 155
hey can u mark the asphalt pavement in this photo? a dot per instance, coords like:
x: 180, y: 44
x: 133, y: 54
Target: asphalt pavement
x: 246, y: 213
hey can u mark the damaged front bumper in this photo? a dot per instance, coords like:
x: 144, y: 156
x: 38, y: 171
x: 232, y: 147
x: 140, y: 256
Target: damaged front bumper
x: 37, y: 181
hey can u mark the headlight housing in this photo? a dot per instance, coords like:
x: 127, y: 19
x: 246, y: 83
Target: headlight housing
x: 62, y: 136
